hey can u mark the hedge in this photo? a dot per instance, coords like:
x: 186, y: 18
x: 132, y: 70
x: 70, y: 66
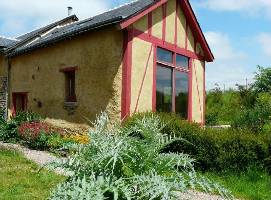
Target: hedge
x: 217, y: 150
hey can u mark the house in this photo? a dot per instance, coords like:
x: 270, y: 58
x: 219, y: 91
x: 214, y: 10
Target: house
x: 148, y: 55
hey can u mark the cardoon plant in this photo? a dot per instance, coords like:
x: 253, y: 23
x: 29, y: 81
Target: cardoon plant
x: 127, y: 163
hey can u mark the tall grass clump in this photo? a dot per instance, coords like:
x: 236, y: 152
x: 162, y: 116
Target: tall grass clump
x: 127, y: 163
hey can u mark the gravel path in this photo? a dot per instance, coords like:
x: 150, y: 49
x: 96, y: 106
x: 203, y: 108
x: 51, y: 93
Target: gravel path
x: 43, y: 158
x: 194, y: 195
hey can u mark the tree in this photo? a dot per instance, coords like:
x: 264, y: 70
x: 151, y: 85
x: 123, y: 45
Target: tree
x: 263, y: 80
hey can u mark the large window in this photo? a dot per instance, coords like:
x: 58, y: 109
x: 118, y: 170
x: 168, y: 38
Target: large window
x: 172, y: 82
x: 164, y: 89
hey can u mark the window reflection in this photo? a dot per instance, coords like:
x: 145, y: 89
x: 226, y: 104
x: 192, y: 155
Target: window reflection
x: 182, y: 61
x: 181, y: 94
x: 164, y: 55
x: 163, y: 89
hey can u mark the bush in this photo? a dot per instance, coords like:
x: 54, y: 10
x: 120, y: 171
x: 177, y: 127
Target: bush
x: 78, y: 138
x: 32, y: 130
x: 213, y: 149
x: 41, y: 136
x: 9, y: 129
x: 221, y: 106
x: 256, y: 119
x: 25, y: 117
x: 8, y: 132
x: 212, y: 118
x: 35, y: 134
x: 127, y: 163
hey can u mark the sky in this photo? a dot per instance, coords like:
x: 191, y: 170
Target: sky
x: 238, y: 31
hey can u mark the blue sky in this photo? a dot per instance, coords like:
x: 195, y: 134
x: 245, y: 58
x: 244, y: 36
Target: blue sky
x: 238, y: 31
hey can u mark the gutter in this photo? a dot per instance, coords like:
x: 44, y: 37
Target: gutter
x: 45, y: 43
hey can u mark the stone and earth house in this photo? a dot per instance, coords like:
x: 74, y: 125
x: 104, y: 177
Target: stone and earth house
x: 148, y: 55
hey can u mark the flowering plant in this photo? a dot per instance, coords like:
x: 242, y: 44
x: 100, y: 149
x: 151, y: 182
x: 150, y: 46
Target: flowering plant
x: 33, y: 129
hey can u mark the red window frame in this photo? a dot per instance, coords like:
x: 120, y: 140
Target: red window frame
x: 70, y: 83
x: 24, y: 97
x: 174, y: 68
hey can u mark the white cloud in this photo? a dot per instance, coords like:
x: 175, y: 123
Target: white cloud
x: 265, y: 42
x: 246, y: 6
x: 222, y: 47
x: 18, y: 16
x: 230, y: 65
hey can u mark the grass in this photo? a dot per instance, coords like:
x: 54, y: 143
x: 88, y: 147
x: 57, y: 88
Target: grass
x: 255, y: 184
x: 20, y: 180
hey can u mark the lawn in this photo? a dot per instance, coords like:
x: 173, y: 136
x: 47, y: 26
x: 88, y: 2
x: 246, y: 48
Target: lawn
x: 19, y: 178
x: 255, y: 184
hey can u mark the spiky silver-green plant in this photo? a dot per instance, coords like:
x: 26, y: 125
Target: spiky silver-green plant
x: 128, y: 164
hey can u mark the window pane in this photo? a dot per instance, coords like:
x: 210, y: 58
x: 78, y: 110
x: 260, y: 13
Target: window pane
x: 181, y: 97
x: 163, y: 89
x: 164, y: 55
x: 182, y: 61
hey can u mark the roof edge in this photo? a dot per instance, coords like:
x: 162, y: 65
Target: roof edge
x: 44, y: 29
x: 113, y: 21
x: 199, y: 33
x: 140, y: 14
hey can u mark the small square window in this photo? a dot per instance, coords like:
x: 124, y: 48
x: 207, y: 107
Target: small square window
x: 164, y: 55
x: 182, y: 61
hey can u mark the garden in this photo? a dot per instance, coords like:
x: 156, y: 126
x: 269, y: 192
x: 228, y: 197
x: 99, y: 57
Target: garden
x: 150, y: 155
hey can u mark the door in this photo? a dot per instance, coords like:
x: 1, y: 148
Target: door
x: 19, y: 102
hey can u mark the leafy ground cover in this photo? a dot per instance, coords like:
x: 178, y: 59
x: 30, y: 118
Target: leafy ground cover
x: 19, y: 178
x: 123, y: 163
x: 253, y: 184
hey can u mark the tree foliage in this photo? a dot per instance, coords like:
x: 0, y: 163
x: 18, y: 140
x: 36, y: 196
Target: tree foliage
x: 263, y: 80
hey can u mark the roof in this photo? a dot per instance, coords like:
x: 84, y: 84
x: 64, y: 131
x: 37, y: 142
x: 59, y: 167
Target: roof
x: 116, y: 16
x: 48, y: 27
x: 5, y: 42
x: 108, y: 18
x: 23, y: 39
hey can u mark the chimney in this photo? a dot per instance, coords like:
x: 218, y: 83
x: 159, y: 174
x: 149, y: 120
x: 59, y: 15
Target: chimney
x: 69, y: 11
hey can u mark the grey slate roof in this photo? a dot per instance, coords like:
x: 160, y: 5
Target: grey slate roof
x: 108, y: 18
x: 5, y: 42
x: 45, y: 28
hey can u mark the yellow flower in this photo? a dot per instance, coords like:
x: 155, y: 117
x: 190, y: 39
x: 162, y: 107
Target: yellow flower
x: 79, y: 138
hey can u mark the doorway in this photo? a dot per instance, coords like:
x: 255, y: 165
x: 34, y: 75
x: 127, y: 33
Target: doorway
x: 19, y: 100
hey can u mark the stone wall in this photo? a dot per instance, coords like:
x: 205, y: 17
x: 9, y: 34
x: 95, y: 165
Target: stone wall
x: 3, y: 96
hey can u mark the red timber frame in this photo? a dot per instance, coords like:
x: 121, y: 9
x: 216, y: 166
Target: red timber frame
x: 130, y: 32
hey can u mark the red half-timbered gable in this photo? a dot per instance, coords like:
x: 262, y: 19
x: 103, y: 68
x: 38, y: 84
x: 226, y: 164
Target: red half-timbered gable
x: 170, y: 25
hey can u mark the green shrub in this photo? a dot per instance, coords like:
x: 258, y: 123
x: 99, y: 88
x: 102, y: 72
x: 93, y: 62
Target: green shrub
x: 47, y: 141
x: 127, y: 163
x: 8, y: 132
x: 9, y: 129
x: 212, y: 118
x: 256, y: 119
x: 213, y: 149
x: 40, y: 142
x: 56, y: 141
x: 221, y: 106
x: 25, y: 117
